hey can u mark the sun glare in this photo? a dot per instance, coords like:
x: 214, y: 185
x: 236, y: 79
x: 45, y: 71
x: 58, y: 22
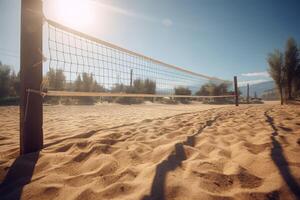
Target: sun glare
x: 77, y: 13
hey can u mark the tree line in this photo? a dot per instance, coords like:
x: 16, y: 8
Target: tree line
x: 9, y: 84
x: 55, y: 79
x: 284, y: 68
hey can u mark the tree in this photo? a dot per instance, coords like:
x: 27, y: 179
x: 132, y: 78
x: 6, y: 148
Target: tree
x: 119, y: 88
x: 203, y: 91
x: 206, y: 90
x: 77, y: 84
x: 87, y: 82
x: 150, y: 86
x: 4, y: 80
x: 15, y: 84
x: 211, y: 89
x: 276, y: 71
x: 291, y: 64
x: 56, y: 79
x: 221, y: 89
x: 97, y: 87
x: 182, y: 91
x: 296, y: 83
x: 139, y: 86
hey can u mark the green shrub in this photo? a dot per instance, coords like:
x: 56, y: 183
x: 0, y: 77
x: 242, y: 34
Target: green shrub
x: 139, y: 87
x: 183, y: 91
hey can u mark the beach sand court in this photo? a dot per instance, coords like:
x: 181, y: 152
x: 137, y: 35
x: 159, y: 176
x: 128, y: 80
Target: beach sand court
x: 155, y: 152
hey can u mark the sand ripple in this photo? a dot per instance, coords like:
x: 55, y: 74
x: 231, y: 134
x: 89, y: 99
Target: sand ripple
x: 250, y: 152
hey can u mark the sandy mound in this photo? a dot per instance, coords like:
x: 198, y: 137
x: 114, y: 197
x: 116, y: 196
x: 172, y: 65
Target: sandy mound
x: 250, y: 152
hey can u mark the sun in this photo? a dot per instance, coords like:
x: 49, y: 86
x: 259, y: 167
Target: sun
x: 76, y: 13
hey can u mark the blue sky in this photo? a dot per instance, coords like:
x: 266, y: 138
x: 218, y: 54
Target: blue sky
x: 219, y: 38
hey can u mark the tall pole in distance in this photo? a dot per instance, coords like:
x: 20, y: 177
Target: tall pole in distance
x: 248, y: 93
x: 236, y: 92
x: 131, y: 75
x: 31, y: 104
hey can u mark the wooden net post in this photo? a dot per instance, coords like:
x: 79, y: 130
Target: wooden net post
x: 236, y: 91
x: 31, y: 104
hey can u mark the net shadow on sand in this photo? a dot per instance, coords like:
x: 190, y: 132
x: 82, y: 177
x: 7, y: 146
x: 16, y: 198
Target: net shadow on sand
x: 280, y: 161
x: 171, y: 163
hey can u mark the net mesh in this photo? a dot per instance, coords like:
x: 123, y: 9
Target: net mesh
x: 74, y: 57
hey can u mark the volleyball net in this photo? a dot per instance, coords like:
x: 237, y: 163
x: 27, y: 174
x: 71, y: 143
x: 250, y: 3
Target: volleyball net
x: 57, y: 61
x: 77, y: 64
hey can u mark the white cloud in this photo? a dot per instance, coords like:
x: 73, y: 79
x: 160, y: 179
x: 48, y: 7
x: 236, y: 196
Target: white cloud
x: 167, y: 22
x: 252, y: 82
x: 256, y: 74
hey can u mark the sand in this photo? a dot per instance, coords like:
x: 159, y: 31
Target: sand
x: 155, y: 152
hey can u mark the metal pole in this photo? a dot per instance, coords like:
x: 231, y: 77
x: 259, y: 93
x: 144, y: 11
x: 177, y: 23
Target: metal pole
x: 248, y: 94
x: 31, y: 104
x: 236, y: 92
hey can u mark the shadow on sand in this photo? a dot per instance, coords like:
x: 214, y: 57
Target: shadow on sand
x: 280, y: 161
x: 18, y: 175
x: 171, y: 163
